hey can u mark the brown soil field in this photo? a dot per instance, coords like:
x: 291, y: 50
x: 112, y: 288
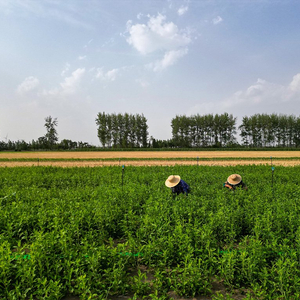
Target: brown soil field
x: 69, y: 164
x: 149, y: 154
x: 239, y: 155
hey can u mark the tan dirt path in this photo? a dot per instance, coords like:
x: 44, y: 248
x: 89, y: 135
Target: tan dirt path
x: 147, y: 154
x: 148, y: 163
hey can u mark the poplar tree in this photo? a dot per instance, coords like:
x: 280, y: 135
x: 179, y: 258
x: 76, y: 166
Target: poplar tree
x: 51, y: 135
x: 122, y: 131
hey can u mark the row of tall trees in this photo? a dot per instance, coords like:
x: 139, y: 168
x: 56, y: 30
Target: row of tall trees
x: 131, y: 131
x: 263, y: 130
x: 204, y: 131
x: 122, y: 130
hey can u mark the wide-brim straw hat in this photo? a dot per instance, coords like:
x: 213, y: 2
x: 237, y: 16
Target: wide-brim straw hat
x: 234, y: 179
x: 172, y: 181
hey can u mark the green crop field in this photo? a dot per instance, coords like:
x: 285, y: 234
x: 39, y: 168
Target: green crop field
x: 80, y: 232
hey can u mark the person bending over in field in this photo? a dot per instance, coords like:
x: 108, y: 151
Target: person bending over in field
x: 234, y: 181
x: 177, y: 185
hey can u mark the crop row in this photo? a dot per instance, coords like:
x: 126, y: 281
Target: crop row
x: 77, y: 224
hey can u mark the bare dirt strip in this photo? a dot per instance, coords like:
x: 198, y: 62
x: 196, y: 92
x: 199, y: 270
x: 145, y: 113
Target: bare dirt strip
x: 148, y: 154
x: 69, y: 164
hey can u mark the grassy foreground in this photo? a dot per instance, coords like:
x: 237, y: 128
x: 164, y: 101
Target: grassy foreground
x: 80, y: 231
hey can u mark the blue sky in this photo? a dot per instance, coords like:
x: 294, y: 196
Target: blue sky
x: 74, y: 58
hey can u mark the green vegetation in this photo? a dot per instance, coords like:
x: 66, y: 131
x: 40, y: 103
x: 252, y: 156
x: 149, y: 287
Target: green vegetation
x: 79, y: 231
x: 204, y: 131
x: 122, y: 130
x: 51, y: 136
x: 130, y: 132
x: 256, y: 131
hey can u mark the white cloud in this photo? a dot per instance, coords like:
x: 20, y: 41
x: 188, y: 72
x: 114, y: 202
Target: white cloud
x: 217, y: 20
x: 52, y: 92
x: 157, y: 34
x: 260, y: 93
x: 260, y: 97
x: 68, y: 86
x: 82, y: 57
x: 108, y: 76
x: 204, y: 108
x: 28, y: 84
x: 265, y: 94
x: 143, y: 83
x: 169, y: 59
x: 112, y: 74
x: 295, y: 84
x: 182, y: 10
x: 65, y: 70
x: 139, y: 16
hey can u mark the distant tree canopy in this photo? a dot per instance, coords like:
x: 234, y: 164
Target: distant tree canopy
x: 122, y: 131
x: 204, y: 131
x: 47, y: 142
x: 262, y: 130
x: 196, y: 131
x: 42, y: 144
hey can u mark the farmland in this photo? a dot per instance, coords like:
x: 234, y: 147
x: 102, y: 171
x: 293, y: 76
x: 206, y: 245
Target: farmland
x: 148, y: 158
x: 81, y: 232
x: 148, y: 154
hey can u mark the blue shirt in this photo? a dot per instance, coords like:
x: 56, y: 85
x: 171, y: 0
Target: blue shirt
x: 181, y: 187
x: 233, y: 187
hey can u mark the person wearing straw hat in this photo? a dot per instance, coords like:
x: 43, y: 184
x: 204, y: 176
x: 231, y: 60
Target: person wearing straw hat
x: 177, y: 185
x: 234, y: 181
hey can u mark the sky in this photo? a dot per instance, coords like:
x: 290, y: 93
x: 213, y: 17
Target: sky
x: 72, y: 59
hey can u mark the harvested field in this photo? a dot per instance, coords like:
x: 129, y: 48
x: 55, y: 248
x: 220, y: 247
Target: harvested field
x: 67, y: 164
x: 149, y: 154
x: 148, y: 158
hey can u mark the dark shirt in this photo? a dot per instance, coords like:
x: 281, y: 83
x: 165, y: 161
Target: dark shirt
x: 233, y: 187
x: 181, y: 187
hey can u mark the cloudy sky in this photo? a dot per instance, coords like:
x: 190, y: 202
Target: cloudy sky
x: 71, y: 59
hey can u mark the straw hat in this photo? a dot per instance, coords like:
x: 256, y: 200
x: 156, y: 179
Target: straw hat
x: 172, y: 181
x: 234, y: 179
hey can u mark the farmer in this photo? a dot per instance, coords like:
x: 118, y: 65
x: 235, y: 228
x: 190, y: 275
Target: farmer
x: 234, y: 181
x: 177, y: 185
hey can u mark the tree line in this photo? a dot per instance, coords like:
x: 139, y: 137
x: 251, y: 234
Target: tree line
x: 196, y: 131
x: 49, y: 141
x: 122, y: 130
x: 257, y: 131
x: 263, y: 130
x: 204, y: 131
